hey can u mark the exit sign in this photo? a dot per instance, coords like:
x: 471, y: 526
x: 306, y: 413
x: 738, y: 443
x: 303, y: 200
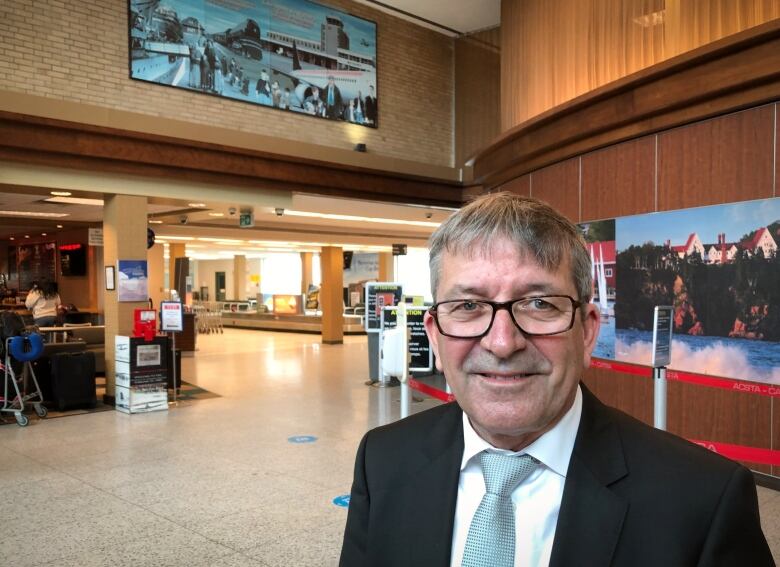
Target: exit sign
x: 246, y: 220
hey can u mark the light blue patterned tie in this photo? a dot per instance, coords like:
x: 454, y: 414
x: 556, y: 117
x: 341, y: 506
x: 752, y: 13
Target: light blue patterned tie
x: 491, y: 539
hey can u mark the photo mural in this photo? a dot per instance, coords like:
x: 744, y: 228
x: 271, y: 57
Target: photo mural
x: 717, y: 266
x: 292, y: 55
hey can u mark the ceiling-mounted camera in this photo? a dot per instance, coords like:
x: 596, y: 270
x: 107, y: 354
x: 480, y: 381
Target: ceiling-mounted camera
x: 232, y: 211
x: 184, y: 219
x: 279, y: 211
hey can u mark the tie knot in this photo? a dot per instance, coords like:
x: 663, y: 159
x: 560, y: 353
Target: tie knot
x: 504, y: 472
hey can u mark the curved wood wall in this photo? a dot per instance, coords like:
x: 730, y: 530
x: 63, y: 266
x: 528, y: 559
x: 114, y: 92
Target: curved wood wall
x: 701, y: 129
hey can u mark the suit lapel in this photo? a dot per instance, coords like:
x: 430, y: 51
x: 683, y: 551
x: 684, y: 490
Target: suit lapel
x: 591, y: 515
x: 431, y: 495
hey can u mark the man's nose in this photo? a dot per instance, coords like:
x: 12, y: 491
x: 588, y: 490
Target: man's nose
x: 504, y: 338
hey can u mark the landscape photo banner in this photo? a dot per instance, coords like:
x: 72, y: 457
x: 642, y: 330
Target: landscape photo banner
x: 292, y: 55
x: 717, y: 266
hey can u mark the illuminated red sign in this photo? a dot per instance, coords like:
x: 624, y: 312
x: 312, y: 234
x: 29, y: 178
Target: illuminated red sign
x: 69, y: 247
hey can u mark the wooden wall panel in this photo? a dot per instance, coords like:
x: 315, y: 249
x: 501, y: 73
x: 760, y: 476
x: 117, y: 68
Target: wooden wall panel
x: 722, y: 160
x: 631, y: 394
x: 619, y: 180
x: 597, y: 42
x: 712, y: 414
x: 559, y: 186
x: 477, y: 93
x: 520, y: 185
x: 776, y: 186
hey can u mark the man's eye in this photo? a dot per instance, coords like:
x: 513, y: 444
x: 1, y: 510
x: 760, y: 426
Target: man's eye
x: 539, y: 304
x: 465, y: 306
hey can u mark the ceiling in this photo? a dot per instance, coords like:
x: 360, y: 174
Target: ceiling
x: 210, y: 229
x: 453, y: 17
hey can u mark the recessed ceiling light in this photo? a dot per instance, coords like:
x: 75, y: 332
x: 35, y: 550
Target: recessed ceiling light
x: 216, y: 214
x: 31, y: 214
x: 62, y: 193
x: 153, y: 221
x: 43, y: 234
x: 76, y: 201
x: 59, y: 226
x: 197, y: 204
x: 11, y: 238
x: 27, y: 236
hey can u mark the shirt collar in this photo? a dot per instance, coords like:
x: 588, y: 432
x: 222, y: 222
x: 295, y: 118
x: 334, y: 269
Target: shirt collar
x: 553, y: 449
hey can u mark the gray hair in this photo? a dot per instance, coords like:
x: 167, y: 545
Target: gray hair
x: 532, y: 225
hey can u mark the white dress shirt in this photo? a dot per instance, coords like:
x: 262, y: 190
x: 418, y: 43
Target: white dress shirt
x: 536, y: 501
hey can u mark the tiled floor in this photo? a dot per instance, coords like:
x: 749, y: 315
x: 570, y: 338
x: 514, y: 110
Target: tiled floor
x: 215, y: 482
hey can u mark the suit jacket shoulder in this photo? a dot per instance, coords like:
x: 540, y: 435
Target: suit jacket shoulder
x: 637, y: 496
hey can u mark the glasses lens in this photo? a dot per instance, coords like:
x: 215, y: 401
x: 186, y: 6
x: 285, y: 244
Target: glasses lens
x: 464, y: 318
x: 543, y: 315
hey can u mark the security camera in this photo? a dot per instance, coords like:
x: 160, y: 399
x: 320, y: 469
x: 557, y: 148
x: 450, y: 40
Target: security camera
x: 428, y: 215
x: 232, y: 211
x: 279, y: 211
x: 184, y: 219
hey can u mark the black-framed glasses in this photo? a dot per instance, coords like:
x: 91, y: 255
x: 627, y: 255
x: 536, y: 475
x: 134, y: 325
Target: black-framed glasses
x: 535, y: 316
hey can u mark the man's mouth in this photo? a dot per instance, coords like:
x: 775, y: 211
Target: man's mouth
x: 505, y: 377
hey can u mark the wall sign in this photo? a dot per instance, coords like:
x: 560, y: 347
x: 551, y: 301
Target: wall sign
x: 419, y: 346
x: 171, y: 318
x: 378, y: 296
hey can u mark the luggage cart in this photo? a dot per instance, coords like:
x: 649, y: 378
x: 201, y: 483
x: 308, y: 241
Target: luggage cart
x: 19, y: 385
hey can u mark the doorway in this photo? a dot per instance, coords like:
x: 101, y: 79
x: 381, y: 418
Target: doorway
x: 219, y: 285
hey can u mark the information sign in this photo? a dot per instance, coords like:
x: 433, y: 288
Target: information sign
x: 399, y: 249
x: 419, y: 345
x: 378, y: 296
x: 171, y: 318
x: 662, y: 335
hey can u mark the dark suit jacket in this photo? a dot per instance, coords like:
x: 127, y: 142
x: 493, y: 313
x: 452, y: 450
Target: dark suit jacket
x: 634, y: 496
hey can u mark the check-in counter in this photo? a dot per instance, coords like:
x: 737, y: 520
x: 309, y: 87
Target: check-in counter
x: 353, y: 324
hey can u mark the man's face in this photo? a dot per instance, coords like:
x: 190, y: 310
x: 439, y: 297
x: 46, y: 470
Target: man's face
x: 514, y: 388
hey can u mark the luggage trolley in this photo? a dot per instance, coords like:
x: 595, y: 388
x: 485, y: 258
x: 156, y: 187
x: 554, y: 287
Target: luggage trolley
x: 25, y: 349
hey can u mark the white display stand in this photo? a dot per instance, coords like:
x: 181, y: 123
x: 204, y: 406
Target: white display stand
x: 140, y: 374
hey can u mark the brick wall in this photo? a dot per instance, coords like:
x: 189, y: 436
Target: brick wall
x: 77, y: 51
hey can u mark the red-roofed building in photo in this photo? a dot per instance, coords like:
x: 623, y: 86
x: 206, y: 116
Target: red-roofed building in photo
x: 762, y: 240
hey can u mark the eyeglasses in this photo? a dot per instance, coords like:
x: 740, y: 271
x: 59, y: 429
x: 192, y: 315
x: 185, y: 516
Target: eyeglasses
x: 535, y: 316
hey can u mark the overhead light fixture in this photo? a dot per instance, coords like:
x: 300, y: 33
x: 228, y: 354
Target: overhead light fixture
x: 76, y: 201
x: 61, y: 193
x: 11, y: 238
x: 153, y: 221
x: 216, y: 214
x: 27, y: 236
x: 59, y: 226
x: 43, y: 234
x: 32, y: 214
x: 197, y: 204
x: 360, y: 219
x: 222, y: 240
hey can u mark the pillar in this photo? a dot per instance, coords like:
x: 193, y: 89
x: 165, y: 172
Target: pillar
x: 239, y: 277
x: 155, y: 257
x: 175, y: 250
x: 306, y: 270
x: 332, y: 295
x: 124, y: 238
x: 386, y: 267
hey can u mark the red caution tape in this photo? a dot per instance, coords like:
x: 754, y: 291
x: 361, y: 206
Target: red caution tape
x: 772, y: 390
x: 430, y: 391
x: 742, y: 452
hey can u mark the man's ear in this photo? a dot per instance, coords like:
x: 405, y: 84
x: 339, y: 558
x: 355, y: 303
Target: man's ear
x: 433, y: 337
x: 590, y: 331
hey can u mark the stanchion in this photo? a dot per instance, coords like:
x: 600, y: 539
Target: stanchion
x: 175, y: 401
x: 659, y: 402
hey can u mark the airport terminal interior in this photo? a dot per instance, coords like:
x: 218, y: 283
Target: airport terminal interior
x: 232, y: 203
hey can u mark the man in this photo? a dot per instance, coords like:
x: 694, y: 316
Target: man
x: 333, y: 103
x: 371, y: 106
x: 569, y: 480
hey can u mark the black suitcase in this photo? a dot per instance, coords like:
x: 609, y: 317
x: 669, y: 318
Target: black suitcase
x: 42, y: 369
x: 73, y: 380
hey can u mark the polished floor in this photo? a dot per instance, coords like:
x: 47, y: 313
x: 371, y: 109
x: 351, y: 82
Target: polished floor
x: 215, y: 482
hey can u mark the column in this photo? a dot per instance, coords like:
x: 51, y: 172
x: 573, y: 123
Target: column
x: 175, y: 250
x: 155, y: 257
x: 239, y: 277
x: 386, y: 267
x: 124, y: 238
x: 332, y: 295
x: 306, y: 270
